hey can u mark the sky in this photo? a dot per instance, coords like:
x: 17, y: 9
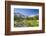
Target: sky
x: 27, y: 12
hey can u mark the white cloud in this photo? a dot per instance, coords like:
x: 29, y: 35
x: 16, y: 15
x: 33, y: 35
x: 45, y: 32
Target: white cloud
x: 33, y: 15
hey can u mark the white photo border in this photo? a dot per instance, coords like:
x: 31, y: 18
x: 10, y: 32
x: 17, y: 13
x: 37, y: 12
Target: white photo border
x: 25, y: 28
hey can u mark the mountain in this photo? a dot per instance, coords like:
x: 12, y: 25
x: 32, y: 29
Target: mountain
x: 20, y: 15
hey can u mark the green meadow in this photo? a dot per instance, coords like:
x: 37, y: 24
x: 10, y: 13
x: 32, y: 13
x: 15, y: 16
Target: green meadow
x: 26, y: 22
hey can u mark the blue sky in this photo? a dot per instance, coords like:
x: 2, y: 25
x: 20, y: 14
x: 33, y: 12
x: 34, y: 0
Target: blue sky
x: 27, y: 12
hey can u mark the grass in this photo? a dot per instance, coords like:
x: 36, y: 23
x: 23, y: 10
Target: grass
x: 26, y: 23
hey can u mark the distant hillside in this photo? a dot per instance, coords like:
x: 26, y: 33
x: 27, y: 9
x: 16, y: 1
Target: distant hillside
x: 21, y: 16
